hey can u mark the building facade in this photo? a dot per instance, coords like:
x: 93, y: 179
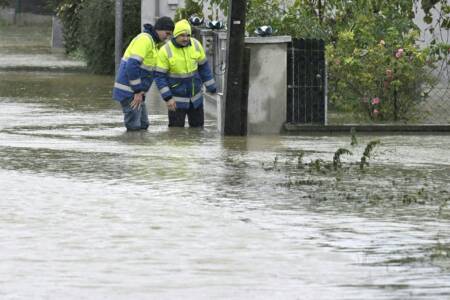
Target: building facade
x: 152, y: 9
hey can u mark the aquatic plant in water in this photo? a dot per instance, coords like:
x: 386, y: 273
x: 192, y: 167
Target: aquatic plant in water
x: 317, y: 164
x: 354, y: 141
x: 367, y: 152
x: 300, y: 155
x: 337, y: 157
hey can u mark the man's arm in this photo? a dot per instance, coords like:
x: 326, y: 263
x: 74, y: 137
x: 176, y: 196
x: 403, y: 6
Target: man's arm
x: 162, y: 82
x: 204, y: 70
x: 139, y: 48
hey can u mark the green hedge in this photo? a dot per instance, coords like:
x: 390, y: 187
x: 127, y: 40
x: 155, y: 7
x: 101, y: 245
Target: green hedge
x: 69, y: 13
x: 89, y: 27
x: 4, y: 3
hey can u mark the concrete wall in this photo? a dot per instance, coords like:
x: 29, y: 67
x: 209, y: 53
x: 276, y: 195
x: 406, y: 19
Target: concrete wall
x: 9, y: 16
x: 267, y: 87
x: 268, y: 82
x: 57, y: 35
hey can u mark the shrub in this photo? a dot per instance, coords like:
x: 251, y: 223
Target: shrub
x: 191, y: 7
x: 89, y: 28
x: 69, y: 13
x: 375, y: 68
x: 4, y: 3
x: 98, y: 31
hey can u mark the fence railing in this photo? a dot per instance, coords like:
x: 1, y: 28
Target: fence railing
x: 306, y: 76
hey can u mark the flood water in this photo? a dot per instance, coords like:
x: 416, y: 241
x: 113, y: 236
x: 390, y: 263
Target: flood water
x: 89, y: 211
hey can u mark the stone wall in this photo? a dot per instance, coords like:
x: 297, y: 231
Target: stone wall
x: 9, y: 16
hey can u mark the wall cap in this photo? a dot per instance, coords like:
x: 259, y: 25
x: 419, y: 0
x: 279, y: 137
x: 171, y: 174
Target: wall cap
x: 268, y: 40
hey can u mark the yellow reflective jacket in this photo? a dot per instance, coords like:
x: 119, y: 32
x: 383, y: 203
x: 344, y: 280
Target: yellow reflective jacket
x: 136, y: 70
x: 181, y: 71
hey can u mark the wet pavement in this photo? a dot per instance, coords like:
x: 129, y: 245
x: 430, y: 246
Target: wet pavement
x: 90, y: 211
x: 28, y: 48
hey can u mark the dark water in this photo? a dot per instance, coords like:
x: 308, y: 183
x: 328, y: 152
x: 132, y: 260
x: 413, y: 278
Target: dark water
x: 89, y: 211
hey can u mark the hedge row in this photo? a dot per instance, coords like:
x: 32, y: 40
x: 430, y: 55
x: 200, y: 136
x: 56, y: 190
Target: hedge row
x: 89, y: 27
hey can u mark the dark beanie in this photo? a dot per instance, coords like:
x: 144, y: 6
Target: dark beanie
x: 164, y: 23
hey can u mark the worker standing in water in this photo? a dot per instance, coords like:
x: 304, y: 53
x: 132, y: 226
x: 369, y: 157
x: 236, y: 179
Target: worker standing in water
x: 182, y: 69
x: 136, y: 72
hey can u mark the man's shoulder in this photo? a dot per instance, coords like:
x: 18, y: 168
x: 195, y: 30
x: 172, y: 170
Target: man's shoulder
x: 196, y: 44
x: 146, y: 37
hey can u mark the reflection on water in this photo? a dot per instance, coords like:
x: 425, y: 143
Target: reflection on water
x: 90, y: 211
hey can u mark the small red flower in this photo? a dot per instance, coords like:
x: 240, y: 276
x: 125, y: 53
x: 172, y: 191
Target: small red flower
x: 399, y: 53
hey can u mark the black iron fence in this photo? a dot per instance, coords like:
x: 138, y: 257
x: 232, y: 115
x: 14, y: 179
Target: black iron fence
x: 308, y: 94
x: 306, y: 76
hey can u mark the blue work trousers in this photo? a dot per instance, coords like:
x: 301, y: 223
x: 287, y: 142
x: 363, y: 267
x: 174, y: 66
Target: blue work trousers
x: 134, y: 119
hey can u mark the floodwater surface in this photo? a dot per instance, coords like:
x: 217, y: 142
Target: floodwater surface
x: 90, y: 211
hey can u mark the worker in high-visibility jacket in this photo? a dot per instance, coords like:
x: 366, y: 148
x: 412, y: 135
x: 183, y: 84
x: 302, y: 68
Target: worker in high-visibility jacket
x: 136, y: 72
x: 182, y: 69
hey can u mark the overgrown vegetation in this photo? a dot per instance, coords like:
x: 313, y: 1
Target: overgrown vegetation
x: 192, y: 8
x: 367, y: 153
x: 36, y: 6
x: 4, y: 3
x: 376, y: 70
x: 309, y: 174
x: 337, y: 157
x: 69, y: 13
x: 89, y: 28
x: 322, y: 166
x: 330, y: 179
x: 97, y: 32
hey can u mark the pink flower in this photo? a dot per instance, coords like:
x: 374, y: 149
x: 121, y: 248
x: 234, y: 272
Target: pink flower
x: 375, y: 101
x: 399, y: 53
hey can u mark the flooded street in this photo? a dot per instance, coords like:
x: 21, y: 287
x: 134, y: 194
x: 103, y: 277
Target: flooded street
x: 89, y: 211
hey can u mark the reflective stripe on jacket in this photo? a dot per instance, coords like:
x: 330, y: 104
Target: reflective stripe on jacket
x: 181, y: 72
x: 137, y: 66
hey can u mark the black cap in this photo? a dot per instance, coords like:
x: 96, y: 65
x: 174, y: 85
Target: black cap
x: 164, y: 23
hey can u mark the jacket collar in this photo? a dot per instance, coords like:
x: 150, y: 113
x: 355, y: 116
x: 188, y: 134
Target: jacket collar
x: 148, y: 28
x: 174, y: 42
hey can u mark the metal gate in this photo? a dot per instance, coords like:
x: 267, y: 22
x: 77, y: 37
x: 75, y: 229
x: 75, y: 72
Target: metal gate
x: 306, y: 90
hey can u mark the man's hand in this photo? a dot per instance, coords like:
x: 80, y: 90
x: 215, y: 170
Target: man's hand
x: 137, y: 100
x: 171, y: 105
